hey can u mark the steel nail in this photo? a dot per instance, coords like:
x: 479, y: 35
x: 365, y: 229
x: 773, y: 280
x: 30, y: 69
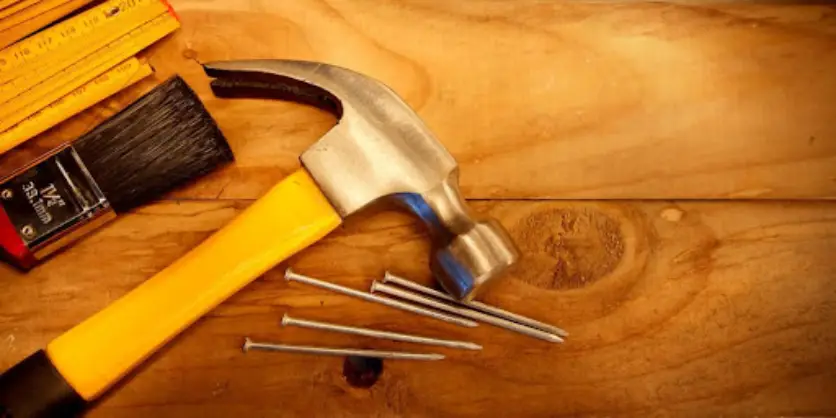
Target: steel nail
x: 291, y: 276
x: 479, y: 306
x: 304, y: 349
x: 467, y: 313
x: 368, y: 332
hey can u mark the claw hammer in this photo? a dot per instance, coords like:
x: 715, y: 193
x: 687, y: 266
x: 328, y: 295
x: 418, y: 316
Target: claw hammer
x: 379, y: 150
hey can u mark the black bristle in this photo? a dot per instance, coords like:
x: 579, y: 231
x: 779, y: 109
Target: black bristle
x: 164, y: 139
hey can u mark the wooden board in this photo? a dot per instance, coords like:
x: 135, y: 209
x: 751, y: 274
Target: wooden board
x: 694, y: 309
x: 676, y: 308
x: 548, y: 99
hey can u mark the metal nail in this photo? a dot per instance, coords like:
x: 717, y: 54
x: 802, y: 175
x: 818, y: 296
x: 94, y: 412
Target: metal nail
x: 250, y: 345
x: 7, y: 194
x: 479, y: 306
x: 291, y: 276
x: 367, y: 332
x: 467, y: 313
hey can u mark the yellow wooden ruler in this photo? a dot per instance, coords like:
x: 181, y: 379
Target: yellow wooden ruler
x: 111, y: 82
x: 20, y: 31
x: 29, y: 102
x: 6, y: 3
x: 14, y: 8
x: 36, y: 8
x: 34, y: 59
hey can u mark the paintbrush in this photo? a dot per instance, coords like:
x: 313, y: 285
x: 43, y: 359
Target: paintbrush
x: 161, y: 141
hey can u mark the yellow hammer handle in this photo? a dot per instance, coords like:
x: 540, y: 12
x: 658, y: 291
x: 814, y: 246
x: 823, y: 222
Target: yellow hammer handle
x: 97, y: 353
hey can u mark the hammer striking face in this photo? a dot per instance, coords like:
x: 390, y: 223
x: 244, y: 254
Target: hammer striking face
x: 380, y: 150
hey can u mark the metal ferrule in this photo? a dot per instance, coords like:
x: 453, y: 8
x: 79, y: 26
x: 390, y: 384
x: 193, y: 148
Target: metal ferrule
x: 46, y: 206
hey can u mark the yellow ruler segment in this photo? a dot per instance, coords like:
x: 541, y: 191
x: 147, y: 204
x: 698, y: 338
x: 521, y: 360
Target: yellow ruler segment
x: 55, y: 48
x: 111, y: 82
x: 38, y: 8
x: 15, y: 33
x: 7, y: 3
x: 6, y: 11
x: 85, y: 70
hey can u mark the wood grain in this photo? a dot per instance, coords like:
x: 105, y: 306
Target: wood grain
x: 689, y: 309
x: 675, y: 308
x: 547, y: 99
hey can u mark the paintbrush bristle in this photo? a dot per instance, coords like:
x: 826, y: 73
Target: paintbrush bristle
x: 161, y: 141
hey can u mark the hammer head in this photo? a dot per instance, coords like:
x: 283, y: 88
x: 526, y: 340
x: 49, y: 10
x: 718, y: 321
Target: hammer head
x: 380, y: 150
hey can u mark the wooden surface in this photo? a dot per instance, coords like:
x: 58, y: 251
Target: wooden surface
x: 697, y: 309
x: 597, y: 100
x: 675, y: 307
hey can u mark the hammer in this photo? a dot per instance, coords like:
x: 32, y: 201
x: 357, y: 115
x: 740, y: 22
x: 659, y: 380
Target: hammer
x: 380, y: 150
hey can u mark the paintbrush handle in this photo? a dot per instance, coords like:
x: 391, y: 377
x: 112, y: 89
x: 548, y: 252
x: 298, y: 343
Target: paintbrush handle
x: 95, y: 354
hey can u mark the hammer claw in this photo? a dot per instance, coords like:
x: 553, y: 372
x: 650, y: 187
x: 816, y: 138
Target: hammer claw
x: 248, y: 79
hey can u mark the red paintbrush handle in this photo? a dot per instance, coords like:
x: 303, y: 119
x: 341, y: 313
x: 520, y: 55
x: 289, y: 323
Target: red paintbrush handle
x: 12, y: 246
